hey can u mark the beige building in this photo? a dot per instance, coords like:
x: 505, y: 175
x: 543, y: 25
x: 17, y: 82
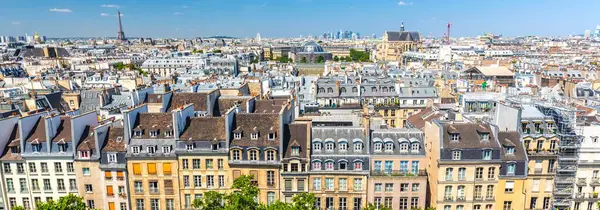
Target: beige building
x: 395, y: 43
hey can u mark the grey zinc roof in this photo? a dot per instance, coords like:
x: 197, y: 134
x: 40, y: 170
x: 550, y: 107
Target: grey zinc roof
x: 348, y: 133
x: 411, y: 36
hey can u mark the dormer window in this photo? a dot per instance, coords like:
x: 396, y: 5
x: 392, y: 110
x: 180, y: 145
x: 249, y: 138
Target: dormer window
x: 354, y: 89
x: 329, y: 165
x: 316, y: 165
x: 15, y: 150
x: 166, y: 149
x: 151, y: 149
x: 487, y: 154
x: 454, y: 136
x: 378, y: 146
x: 237, y: 135
x: 295, y: 151
x: 36, y: 147
x: 254, y: 136
x: 154, y: 133
x: 389, y: 147
x: 329, y: 146
x: 168, y: 133
x: 358, y: 165
x: 135, y: 150
x: 484, y: 137
x: 112, y: 158
x: 357, y: 147
x: 317, y: 146
x: 84, y: 154
x: 404, y: 147
x: 510, y: 150
x: 343, y: 165
x: 271, y: 136
x: 415, y: 147
x: 456, y: 155
x: 189, y: 147
x: 62, y: 147
x: 343, y: 146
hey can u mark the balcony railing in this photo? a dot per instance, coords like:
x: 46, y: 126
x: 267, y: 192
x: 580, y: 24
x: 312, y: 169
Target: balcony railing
x: 478, y: 198
x: 581, y: 181
x: 490, y: 198
x: 448, y: 198
x: 595, y: 181
x: 398, y: 173
x: 461, y: 198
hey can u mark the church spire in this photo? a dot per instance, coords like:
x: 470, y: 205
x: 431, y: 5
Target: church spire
x: 402, y: 26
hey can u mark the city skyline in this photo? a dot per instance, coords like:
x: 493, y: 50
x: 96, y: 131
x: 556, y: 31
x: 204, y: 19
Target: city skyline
x: 184, y: 18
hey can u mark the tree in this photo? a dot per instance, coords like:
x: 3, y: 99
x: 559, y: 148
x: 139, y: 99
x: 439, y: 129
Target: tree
x: 18, y: 208
x: 374, y: 207
x: 69, y: 202
x: 217, y: 51
x: 336, y: 58
x: 320, y: 59
x: 119, y: 66
x: 278, y: 205
x: 304, y: 201
x: 196, y: 51
x: 211, y: 200
x: 243, y: 195
x: 303, y: 60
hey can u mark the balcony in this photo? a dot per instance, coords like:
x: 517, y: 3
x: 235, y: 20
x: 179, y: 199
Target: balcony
x: 564, y: 192
x: 478, y: 198
x: 490, y: 198
x: 398, y: 173
x: 123, y: 195
x: 153, y: 190
x: 448, y: 198
x: 542, y: 152
x: 566, y: 180
x: 581, y: 182
x: 461, y: 198
x: 595, y: 181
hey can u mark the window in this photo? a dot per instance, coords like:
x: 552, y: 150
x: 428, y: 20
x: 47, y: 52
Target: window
x: 378, y: 146
x: 462, y: 173
x: 26, y: 203
x: 415, y: 167
x: 196, y: 163
x: 139, y: 204
x: 90, y: 204
x: 189, y: 147
x: 237, y: 135
x: 13, y: 202
x: 487, y: 154
x: 270, y: 197
x: 210, y: 181
x: 197, y: 181
x: 546, y: 203
x: 112, y: 158
x: 316, y: 165
x: 404, y: 187
x: 329, y: 146
x: 32, y: 168
x: 448, y: 191
x: 151, y: 168
x: 236, y: 154
x: 138, y: 186
x: 510, y: 150
x: 533, y: 203
x: 479, y: 173
x: 220, y: 164
x: 151, y: 149
x: 20, y: 168
x: 72, y: 184
x: 490, y: 192
x: 343, y: 184
x: 7, y: 168
x: 357, y: 147
x: 221, y: 181
x: 270, y: 155
x: 484, y: 137
x: 342, y: 165
x: 478, y: 192
x: 404, y: 147
x: 389, y: 147
x: 491, y: 173
x: 454, y: 137
x: 415, y: 187
x: 507, y: 205
x: 170, y: 204
x: 509, y: 186
x: 10, y: 187
x: 510, y: 169
x: 253, y: 155
x: 357, y: 184
x: 328, y: 203
x: 166, y: 149
x: 449, y: 172
x: 414, y: 202
x: 47, y: 186
x: 389, y: 187
x: 271, y: 136
x: 35, y: 186
x: 415, y: 147
x: 329, y: 184
x: 357, y: 203
x: 343, y: 146
x: 404, y: 166
x: 460, y: 193
x: 342, y: 204
x: 270, y: 178
x: 86, y: 171
x: 135, y: 149
x: 387, y: 202
x: 61, y: 184
x: 456, y: 155
x: 295, y: 151
x: 317, y: 184
x: 70, y: 168
x: 44, y: 167
x: 154, y: 204
x: 329, y: 165
x: 317, y: 146
x: 357, y: 165
x: 186, y: 181
x: 209, y: 163
x: 378, y: 187
x: 254, y: 136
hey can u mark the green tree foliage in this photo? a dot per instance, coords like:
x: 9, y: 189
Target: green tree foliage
x: 18, y: 208
x: 119, y: 66
x: 374, y: 207
x: 243, y: 197
x: 303, y: 60
x: 361, y: 56
x: 69, y: 202
x: 336, y: 58
x: 284, y: 59
x: 196, y: 51
x: 217, y: 51
x: 320, y: 59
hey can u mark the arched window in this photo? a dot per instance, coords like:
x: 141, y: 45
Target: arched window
x: 343, y: 89
x: 384, y: 89
x: 316, y: 165
x: 414, y: 147
x: 321, y: 90
x: 373, y: 89
x: 343, y: 146
x: 330, y: 90
x: 253, y: 155
x: 236, y: 154
x: 404, y: 147
x: 354, y: 89
x: 357, y: 147
x: 317, y: 146
x: 270, y: 155
x: 329, y: 146
x: 392, y: 89
x: 378, y: 146
x: 389, y: 147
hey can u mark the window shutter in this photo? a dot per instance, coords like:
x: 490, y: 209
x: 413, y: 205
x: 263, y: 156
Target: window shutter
x: 167, y: 168
x: 152, y: 168
x: 137, y: 169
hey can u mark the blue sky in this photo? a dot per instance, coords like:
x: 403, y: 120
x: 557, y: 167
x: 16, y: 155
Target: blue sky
x: 292, y: 18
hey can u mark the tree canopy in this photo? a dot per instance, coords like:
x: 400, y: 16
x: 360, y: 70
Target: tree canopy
x: 362, y: 56
x: 284, y: 59
x: 69, y: 202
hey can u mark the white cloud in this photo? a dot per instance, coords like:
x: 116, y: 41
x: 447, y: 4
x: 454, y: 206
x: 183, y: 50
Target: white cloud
x: 110, y: 6
x: 60, y: 10
x: 177, y: 13
x: 403, y: 3
x: 184, y: 6
x: 16, y: 23
x: 104, y: 14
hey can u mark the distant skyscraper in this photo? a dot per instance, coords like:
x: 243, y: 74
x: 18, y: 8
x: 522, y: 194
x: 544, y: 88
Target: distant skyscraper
x: 597, y: 30
x: 22, y: 39
x: 587, y: 34
x: 3, y: 39
x: 120, y: 33
x: 258, y: 38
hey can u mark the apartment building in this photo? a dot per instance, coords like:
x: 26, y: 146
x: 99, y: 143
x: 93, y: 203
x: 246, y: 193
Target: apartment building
x: 398, y: 179
x: 513, y: 171
x: 339, y: 166
x: 587, y: 186
x: 202, y: 153
x: 464, y: 165
x: 152, y: 165
x: 89, y: 175
x: 295, y: 161
x: 113, y: 166
x: 13, y: 166
x: 541, y: 143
